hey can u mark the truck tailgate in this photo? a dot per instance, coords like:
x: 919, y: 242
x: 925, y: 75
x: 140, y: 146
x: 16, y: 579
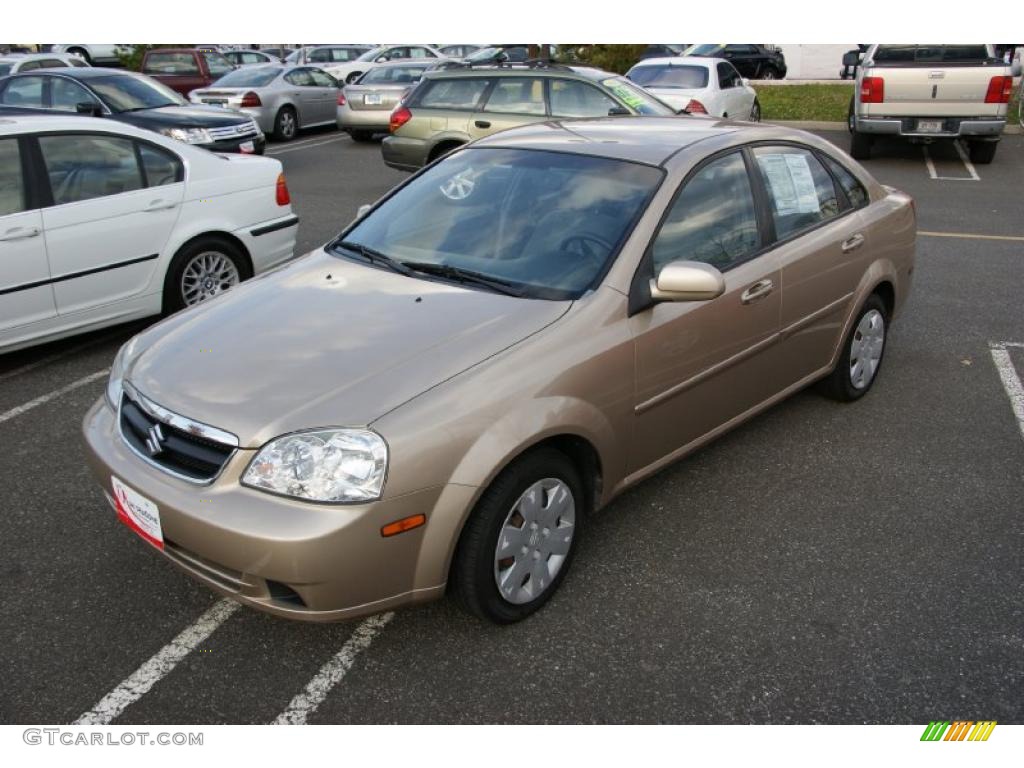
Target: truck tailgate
x: 939, y: 91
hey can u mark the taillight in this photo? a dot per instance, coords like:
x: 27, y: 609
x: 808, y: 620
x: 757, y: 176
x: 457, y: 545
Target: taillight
x: 399, y: 117
x: 999, y: 89
x: 251, y: 99
x: 872, y: 90
x: 341, y: 99
x: 282, y: 196
x: 696, y: 108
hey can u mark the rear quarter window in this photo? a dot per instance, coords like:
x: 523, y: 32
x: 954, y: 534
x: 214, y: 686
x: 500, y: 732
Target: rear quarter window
x: 462, y: 93
x: 171, y: 64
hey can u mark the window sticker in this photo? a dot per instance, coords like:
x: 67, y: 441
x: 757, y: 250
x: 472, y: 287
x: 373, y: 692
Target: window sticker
x: 791, y: 182
x: 624, y: 92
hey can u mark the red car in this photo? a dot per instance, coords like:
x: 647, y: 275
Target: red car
x: 185, y: 69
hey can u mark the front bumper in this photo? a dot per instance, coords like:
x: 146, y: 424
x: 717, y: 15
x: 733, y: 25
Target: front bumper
x: 952, y: 127
x: 314, y: 562
x: 404, y: 154
x: 259, y: 142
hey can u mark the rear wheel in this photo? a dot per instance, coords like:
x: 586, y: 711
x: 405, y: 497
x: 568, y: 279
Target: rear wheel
x: 80, y: 53
x: 286, y: 124
x: 352, y: 77
x: 770, y: 73
x: 202, y: 269
x: 982, y: 152
x: 519, y: 541
x: 861, y: 356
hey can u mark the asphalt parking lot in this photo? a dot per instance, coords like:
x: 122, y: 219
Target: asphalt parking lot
x: 825, y: 563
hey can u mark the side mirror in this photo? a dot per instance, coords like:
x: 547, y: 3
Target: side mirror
x: 615, y: 111
x: 363, y: 210
x: 89, y: 108
x: 1015, y: 68
x: 851, y: 59
x: 687, y: 281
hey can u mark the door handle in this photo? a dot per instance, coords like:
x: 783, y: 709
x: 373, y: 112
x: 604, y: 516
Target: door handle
x: 482, y: 124
x: 159, y: 205
x: 853, y: 243
x: 20, y: 233
x: 757, y: 291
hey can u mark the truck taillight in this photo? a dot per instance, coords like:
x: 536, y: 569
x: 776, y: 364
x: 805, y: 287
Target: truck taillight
x: 696, y: 108
x: 399, y: 117
x: 251, y: 99
x: 341, y: 99
x: 999, y: 89
x: 281, y: 194
x: 872, y: 90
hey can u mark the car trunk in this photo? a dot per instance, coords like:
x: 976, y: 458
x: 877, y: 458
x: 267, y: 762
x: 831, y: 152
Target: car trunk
x: 374, y: 97
x: 220, y: 97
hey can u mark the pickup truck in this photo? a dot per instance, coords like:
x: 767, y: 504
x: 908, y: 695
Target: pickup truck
x: 185, y: 69
x: 930, y: 92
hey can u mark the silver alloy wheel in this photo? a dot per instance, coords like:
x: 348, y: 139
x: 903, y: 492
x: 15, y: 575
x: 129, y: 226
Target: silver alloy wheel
x: 286, y: 123
x: 206, y: 275
x: 534, y: 540
x: 866, y: 348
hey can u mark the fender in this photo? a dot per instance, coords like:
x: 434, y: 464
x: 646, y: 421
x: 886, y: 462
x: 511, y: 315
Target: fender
x: 880, y: 271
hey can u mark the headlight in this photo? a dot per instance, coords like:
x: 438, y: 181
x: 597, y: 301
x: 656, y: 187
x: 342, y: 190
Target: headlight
x: 189, y: 135
x: 116, y: 378
x: 332, y: 465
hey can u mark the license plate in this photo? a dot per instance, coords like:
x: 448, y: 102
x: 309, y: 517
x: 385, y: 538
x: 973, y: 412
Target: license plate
x: 216, y: 102
x: 371, y: 98
x: 929, y: 126
x: 247, y: 146
x: 138, y: 513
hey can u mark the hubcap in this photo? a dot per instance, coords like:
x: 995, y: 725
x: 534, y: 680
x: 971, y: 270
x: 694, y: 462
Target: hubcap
x: 206, y: 275
x: 287, y: 123
x: 866, y: 348
x: 534, y: 540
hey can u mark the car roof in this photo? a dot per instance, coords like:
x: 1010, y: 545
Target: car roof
x: 514, y: 70
x: 80, y: 73
x: 678, y: 61
x: 649, y: 140
x: 30, y: 123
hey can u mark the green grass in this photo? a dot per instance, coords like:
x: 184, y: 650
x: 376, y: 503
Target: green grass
x: 805, y: 102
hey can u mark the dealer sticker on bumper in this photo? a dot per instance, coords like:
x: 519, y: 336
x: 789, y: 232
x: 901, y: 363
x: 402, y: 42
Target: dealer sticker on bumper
x: 138, y: 513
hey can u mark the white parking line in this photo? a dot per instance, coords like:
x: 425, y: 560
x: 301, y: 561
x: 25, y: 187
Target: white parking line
x: 306, y: 146
x: 307, y: 140
x: 17, y: 411
x: 1011, y: 380
x: 52, y: 358
x: 332, y: 673
x: 963, y: 156
x: 149, y: 674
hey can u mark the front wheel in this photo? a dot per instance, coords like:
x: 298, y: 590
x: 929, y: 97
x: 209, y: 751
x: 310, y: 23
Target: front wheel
x: 755, y: 112
x: 770, y: 73
x: 519, y: 541
x: 861, y: 356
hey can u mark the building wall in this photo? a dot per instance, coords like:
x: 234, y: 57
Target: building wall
x: 814, y: 62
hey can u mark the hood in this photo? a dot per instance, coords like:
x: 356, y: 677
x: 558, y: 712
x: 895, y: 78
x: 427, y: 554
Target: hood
x: 183, y: 117
x: 323, y: 342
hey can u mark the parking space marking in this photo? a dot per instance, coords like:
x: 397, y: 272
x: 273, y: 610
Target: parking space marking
x: 149, y: 674
x: 970, y: 236
x: 332, y: 673
x: 306, y: 146
x: 53, y: 358
x: 42, y: 399
x: 963, y: 156
x: 1010, y: 378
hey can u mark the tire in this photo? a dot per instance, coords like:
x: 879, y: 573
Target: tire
x: 361, y: 136
x: 864, y: 343
x: 352, y: 77
x: 191, y: 255
x: 982, y: 152
x: 755, y: 112
x: 286, y: 124
x: 860, y: 146
x: 851, y: 123
x: 503, y: 510
x: 80, y: 53
x: 770, y: 73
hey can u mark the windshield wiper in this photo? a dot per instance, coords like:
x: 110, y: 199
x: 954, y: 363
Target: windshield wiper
x: 465, y: 276
x: 374, y: 257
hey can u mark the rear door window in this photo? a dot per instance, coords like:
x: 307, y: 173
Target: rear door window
x: 86, y: 166
x: 461, y: 93
x: 517, y: 95
x: 801, y: 191
x: 66, y: 95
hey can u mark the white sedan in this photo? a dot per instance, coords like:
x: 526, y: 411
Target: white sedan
x: 701, y: 86
x: 350, y: 71
x: 102, y: 222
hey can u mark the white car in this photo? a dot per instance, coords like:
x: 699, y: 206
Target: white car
x: 102, y: 222
x: 93, y: 53
x: 24, y: 62
x: 699, y: 85
x: 350, y: 71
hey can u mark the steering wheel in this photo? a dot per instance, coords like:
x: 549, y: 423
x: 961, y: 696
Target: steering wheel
x: 586, y: 245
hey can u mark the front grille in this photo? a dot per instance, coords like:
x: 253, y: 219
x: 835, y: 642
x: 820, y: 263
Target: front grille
x: 172, y: 448
x: 233, y: 132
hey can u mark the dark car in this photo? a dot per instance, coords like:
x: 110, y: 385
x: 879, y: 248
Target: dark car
x: 661, y: 50
x: 758, y: 62
x: 185, y: 69
x: 130, y: 98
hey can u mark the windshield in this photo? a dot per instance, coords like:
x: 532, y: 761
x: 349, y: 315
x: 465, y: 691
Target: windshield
x: 704, y: 49
x: 676, y: 76
x: 250, y: 77
x: 394, y: 75
x: 5, y: 69
x: 545, y: 223
x: 637, y: 98
x: 123, y: 93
